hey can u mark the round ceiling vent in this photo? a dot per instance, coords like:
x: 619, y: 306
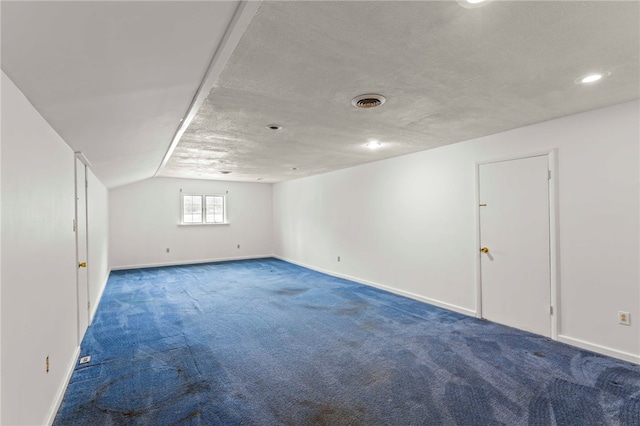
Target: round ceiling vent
x: 368, y: 101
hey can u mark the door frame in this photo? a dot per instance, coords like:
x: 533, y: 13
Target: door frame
x: 554, y: 238
x: 82, y: 304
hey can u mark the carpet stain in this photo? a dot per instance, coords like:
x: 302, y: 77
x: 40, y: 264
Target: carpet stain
x: 370, y: 325
x: 192, y: 415
x: 290, y: 291
x: 331, y: 414
x: 381, y: 376
x: 316, y: 307
x: 354, y: 308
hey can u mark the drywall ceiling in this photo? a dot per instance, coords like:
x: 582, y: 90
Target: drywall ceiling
x: 113, y: 78
x: 449, y: 73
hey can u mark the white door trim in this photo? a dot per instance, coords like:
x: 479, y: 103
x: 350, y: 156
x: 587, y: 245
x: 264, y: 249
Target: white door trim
x: 554, y: 240
x: 81, y: 303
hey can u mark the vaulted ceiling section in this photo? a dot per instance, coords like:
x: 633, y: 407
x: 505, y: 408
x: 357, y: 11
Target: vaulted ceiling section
x: 115, y: 79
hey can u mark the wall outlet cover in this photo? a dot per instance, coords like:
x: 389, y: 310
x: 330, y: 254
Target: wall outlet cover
x: 624, y: 318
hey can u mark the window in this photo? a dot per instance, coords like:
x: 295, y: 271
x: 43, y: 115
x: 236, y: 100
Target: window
x: 203, y: 209
x: 214, y: 209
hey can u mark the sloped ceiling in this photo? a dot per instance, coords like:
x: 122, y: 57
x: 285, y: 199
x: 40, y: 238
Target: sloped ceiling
x: 449, y: 73
x: 113, y: 78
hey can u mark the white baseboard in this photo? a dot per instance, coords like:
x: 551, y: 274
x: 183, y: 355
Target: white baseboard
x: 604, y: 350
x: 63, y: 388
x: 394, y: 290
x: 189, y: 262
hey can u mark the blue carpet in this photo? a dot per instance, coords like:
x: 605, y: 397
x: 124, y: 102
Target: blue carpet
x: 265, y: 342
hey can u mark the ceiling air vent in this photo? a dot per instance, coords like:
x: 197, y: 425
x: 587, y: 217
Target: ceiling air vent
x: 368, y: 101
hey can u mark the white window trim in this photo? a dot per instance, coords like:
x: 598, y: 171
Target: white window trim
x: 203, y: 223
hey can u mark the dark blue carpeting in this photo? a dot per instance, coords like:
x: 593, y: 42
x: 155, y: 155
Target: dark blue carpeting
x: 264, y: 342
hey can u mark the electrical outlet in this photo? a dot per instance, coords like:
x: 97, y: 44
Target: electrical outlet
x: 238, y: 245
x: 168, y: 249
x: 338, y: 258
x: 85, y: 359
x: 47, y: 363
x: 624, y: 318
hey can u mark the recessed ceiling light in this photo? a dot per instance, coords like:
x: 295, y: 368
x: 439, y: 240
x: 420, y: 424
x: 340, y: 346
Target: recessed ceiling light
x: 469, y: 4
x: 225, y: 172
x: 373, y: 144
x: 592, y: 78
x: 274, y: 127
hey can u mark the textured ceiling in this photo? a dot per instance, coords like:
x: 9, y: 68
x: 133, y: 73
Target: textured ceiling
x: 449, y: 73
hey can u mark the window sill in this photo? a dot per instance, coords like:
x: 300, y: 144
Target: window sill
x: 204, y: 224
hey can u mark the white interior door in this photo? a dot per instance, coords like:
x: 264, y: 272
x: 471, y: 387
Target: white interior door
x: 81, y: 249
x: 514, y: 227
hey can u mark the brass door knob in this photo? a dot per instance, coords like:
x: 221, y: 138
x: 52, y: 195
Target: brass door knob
x: 82, y: 265
x: 484, y: 250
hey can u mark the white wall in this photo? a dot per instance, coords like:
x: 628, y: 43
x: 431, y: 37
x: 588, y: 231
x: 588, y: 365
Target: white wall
x: 98, y: 235
x: 38, y: 261
x: 144, y: 219
x: 1, y: 253
x: 409, y: 223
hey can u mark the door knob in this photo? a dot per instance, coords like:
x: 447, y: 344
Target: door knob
x: 484, y: 250
x: 82, y: 265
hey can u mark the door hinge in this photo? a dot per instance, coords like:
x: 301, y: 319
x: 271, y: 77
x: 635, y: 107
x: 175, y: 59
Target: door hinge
x: 75, y: 225
x: 88, y: 306
x: 549, y: 175
x: 551, y: 310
